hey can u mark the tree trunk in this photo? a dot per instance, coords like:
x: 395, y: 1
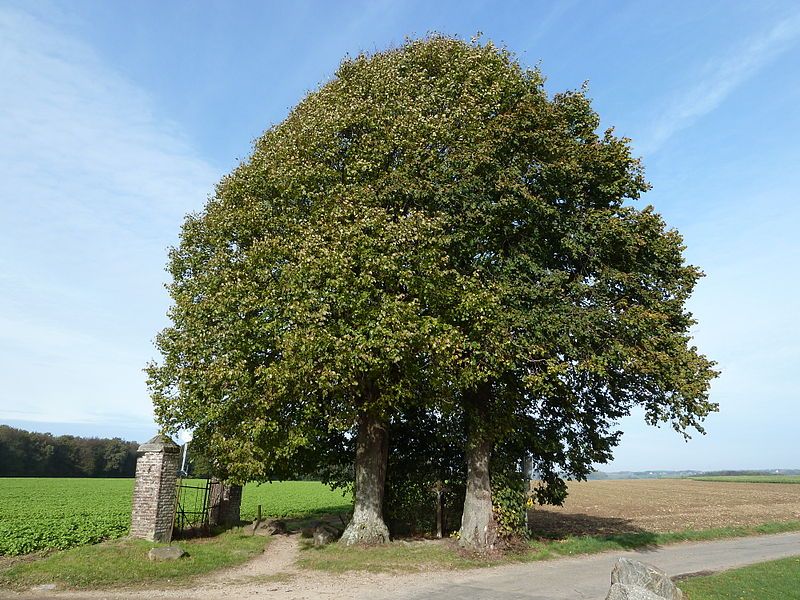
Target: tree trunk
x: 478, y: 526
x: 372, y: 452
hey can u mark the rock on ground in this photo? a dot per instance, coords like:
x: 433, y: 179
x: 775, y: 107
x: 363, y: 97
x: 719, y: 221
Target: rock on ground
x: 308, y: 531
x: 325, y: 534
x: 633, y: 572
x: 273, y: 527
x: 166, y: 553
x: 622, y: 591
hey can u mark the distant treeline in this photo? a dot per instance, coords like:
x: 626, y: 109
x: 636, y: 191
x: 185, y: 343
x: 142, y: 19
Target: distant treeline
x: 751, y: 473
x: 30, y: 454
x: 681, y: 474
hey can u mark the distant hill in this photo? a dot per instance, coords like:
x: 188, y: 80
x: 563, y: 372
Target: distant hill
x: 678, y: 474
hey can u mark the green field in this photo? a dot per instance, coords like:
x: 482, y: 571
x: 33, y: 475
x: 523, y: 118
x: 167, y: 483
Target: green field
x: 775, y: 580
x: 750, y: 478
x: 292, y: 499
x: 47, y: 514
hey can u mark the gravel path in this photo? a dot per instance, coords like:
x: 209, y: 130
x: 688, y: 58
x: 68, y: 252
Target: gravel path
x: 273, y: 575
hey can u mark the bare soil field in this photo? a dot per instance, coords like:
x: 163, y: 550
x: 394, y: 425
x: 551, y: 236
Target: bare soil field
x: 664, y: 505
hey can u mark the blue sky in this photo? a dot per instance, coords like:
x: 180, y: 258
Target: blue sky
x: 117, y: 118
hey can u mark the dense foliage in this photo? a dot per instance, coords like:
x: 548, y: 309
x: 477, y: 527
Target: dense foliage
x: 430, y: 231
x: 30, y: 454
x: 426, y: 451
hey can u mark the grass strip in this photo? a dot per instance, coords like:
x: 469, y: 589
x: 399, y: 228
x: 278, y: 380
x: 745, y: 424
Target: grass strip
x: 125, y: 563
x: 396, y: 557
x: 411, y: 557
x: 591, y: 544
x: 774, y: 580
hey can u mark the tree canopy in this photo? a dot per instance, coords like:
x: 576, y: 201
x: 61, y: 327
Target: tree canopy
x: 429, y: 231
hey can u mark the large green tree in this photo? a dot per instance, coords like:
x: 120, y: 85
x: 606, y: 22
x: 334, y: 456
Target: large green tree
x: 429, y: 231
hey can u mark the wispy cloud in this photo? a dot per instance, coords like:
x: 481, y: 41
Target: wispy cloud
x: 719, y: 79
x: 94, y: 183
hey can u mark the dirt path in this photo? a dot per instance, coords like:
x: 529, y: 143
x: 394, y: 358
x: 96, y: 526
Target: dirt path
x: 273, y: 575
x: 276, y: 563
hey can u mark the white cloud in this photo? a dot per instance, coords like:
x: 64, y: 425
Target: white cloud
x: 93, y: 186
x: 719, y: 79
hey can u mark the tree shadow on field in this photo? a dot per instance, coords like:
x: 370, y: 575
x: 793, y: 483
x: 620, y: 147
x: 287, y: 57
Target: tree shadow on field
x: 553, y: 526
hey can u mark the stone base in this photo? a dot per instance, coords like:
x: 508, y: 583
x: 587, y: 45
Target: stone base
x: 166, y: 553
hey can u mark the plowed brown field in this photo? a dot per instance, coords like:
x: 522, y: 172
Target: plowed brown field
x: 664, y: 505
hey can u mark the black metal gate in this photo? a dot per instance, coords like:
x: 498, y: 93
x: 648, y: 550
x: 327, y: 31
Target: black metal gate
x: 192, y: 508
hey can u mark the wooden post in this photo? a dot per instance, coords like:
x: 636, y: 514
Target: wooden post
x: 439, y: 488
x: 258, y: 519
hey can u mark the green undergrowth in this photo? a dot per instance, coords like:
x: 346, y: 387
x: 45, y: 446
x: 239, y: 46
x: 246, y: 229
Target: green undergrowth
x: 774, y: 580
x: 409, y: 557
x: 125, y: 563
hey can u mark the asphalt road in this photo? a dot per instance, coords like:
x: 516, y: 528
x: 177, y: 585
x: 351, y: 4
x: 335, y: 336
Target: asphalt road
x: 589, y: 577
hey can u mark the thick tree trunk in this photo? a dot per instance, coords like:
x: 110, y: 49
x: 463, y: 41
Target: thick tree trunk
x: 372, y: 452
x: 478, y: 525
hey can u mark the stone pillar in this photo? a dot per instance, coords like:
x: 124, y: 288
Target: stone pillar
x: 225, y: 503
x: 153, y: 511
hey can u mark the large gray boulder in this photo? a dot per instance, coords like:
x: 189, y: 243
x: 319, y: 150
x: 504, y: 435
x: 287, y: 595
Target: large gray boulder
x: 632, y: 573
x: 621, y: 591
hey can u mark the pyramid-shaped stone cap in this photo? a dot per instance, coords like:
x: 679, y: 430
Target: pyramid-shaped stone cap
x: 159, y: 443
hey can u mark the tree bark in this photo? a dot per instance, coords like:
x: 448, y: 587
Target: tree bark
x: 478, y: 526
x: 372, y: 453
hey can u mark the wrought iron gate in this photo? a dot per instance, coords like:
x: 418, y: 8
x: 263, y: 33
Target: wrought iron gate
x: 192, y: 507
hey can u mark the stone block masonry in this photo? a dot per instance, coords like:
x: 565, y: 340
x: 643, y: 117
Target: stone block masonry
x: 225, y: 503
x: 154, y: 492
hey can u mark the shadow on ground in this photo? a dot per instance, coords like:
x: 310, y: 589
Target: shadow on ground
x: 548, y: 525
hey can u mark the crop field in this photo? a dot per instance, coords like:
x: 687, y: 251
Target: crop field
x: 292, y: 499
x: 665, y: 505
x: 750, y: 478
x: 46, y: 514
x: 40, y: 514
x: 43, y: 514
